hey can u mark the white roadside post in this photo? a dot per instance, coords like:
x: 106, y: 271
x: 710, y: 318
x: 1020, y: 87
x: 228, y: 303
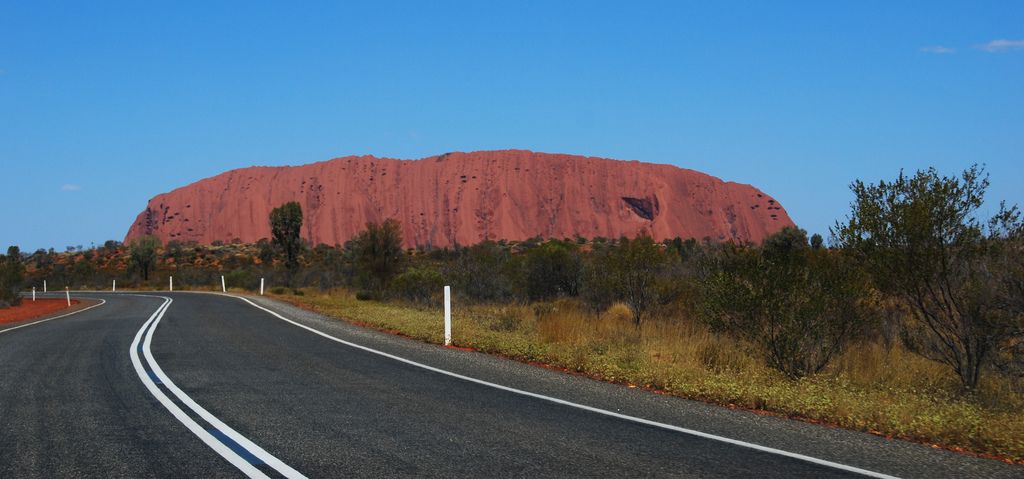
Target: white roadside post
x: 67, y: 292
x: 113, y: 287
x: 223, y: 287
x: 33, y: 293
x: 447, y: 315
x: 170, y: 283
x: 44, y: 285
x: 261, y: 286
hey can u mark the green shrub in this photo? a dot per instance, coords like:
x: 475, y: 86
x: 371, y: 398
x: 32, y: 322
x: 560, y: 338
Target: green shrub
x: 802, y: 306
x: 487, y: 272
x: 378, y: 254
x: 418, y: 285
x: 241, y: 278
x: 628, y: 272
x: 553, y: 269
x: 925, y: 242
x: 364, y: 295
x: 12, y: 274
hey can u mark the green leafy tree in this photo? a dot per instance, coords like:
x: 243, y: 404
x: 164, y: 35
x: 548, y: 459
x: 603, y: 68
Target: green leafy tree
x: 923, y: 241
x: 12, y: 275
x: 553, y: 269
x: 487, y: 271
x: 142, y: 254
x: 286, y: 229
x: 627, y: 272
x: 418, y: 284
x: 785, y: 243
x: 378, y: 254
x: 801, y: 306
x: 817, y: 242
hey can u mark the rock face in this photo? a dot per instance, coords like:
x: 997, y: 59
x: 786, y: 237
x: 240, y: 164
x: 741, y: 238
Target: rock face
x: 464, y: 198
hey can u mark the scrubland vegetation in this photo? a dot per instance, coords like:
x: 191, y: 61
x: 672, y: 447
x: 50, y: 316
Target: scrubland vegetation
x: 908, y: 323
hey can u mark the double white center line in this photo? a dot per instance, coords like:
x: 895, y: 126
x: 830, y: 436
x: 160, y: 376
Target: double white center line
x: 232, y: 446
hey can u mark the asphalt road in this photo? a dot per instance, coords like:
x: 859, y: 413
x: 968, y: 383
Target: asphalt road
x: 204, y: 385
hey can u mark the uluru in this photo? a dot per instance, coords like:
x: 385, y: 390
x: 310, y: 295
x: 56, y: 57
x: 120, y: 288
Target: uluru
x: 464, y: 198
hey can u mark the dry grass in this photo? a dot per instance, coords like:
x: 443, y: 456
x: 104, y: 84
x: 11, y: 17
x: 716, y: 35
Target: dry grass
x: 887, y: 391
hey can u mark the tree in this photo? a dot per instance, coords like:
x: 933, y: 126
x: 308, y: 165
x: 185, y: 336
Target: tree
x: 12, y: 274
x: 286, y: 229
x: 552, y: 269
x: 626, y: 272
x: 785, y: 243
x: 923, y: 241
x: 817, y: 242
x: 487, y: 271
x: 111, y: 245
x: 378, y: 254
x: 142, y: 254
x: 801, y: 306
x: 418, y: 285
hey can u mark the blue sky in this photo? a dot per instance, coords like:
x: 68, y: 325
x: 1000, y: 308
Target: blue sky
x: 104, y: 105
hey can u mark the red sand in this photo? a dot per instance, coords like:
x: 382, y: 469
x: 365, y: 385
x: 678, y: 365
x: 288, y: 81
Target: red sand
x: 29, y: 309
x: 464, y: 198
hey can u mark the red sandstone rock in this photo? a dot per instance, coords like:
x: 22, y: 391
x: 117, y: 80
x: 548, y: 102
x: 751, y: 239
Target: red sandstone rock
x: 464, y: 198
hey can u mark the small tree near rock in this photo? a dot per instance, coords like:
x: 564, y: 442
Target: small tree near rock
x: 378, y: 254
x: 142, y: 254
x: 923, y: 241
x: 12, y: 275
x: 286, y: 229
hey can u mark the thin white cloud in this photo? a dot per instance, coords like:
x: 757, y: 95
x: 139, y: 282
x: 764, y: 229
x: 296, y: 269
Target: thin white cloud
x: 1002, y: 45
x: 70, y: 187
x: 938, y: 50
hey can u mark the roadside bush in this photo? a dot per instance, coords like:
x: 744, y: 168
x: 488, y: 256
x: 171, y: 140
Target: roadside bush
x: 241, y: 278
x: 626, y: 272
x: 801, y: 306
x: 143, y: 255
x: 418, y: 285
x: 12, y: 274
x: 378, y: 254
x: 286, y: 227
x: 487, y: 272
x: 553, y: 269
x: 923, y: 241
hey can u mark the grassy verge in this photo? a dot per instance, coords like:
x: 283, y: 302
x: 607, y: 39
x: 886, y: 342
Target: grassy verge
x: 883, y: 390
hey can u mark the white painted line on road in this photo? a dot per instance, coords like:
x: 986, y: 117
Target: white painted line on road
x: 605, y: 412
x: 102, y: 301
x: 199, y: 431
x: 216, y: 444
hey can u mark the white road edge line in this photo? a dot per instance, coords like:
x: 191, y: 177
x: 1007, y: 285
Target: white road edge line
x: 692, y: 432
x: 102, y: 301
x: 214, y: 443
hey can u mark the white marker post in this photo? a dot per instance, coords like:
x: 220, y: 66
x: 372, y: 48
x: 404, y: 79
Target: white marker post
x: 223, y: 287
x: 261, y: 286
x: 170, y: 283
x: 447, y: 315
x: 68, y: 293
x: 44, y: 285
x: 113, y: 287
x: 33, y: 293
